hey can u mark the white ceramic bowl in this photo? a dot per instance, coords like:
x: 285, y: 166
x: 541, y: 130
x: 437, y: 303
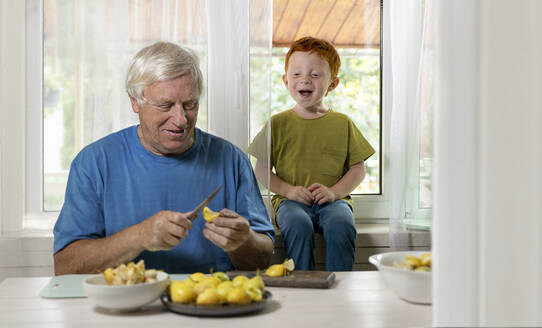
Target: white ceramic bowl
x: 412, y: 286
x: 123, y: 298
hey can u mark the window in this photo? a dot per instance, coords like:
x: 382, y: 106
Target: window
x: 76, y: 93
x: 75, y: 64
x: 355, y: 30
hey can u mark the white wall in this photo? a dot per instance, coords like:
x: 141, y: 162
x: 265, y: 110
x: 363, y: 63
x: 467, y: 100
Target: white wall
x: 28, y: 255
x: 25, y: 256
x: 488, y: 164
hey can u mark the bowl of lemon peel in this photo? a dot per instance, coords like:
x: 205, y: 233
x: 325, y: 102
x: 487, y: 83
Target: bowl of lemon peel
x: 407, y: 274
x: 125, y: 288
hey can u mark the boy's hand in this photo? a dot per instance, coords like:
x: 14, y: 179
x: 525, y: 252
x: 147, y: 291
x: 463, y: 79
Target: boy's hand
x: 322, y: 194
x: 300, y: 194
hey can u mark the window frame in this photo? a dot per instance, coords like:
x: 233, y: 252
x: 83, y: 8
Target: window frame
x: 12, y: 123
x: 375, y: 208
x: 35, y: 215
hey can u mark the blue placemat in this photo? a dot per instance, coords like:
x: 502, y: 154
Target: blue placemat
x: 71, y: 285
x: 65, y: 286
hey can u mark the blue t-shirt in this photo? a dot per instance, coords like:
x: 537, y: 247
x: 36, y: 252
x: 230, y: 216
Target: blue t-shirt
x: 115, y: 183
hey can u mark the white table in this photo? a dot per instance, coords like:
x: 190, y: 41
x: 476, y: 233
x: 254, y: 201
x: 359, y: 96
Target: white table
x: 357, y: 299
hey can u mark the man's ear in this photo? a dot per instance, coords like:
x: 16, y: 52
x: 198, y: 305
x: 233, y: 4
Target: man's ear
x: 285, y: 80
x: 135, y: 106
x: 332, y: 85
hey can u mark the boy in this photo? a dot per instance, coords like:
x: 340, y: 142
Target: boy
x: 318, y: 156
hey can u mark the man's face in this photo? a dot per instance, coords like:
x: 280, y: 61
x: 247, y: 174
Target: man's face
x: 168, y: 117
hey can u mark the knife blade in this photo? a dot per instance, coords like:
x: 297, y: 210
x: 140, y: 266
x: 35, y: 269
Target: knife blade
x: 194, y: 213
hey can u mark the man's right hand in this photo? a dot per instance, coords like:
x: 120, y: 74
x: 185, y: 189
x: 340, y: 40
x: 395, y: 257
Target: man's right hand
x: 164, y: 230
x: 300, y: 194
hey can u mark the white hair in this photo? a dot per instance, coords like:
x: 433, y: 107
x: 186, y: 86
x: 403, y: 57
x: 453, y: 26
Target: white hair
x: 161, y: 61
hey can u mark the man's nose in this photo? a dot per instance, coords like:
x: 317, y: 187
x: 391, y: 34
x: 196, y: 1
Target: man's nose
x: 179, y: 115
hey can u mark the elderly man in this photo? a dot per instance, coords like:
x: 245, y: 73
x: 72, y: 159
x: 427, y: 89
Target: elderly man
x: 130, y: 194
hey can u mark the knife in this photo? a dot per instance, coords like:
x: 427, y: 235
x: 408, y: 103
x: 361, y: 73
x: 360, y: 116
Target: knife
x: 194, y: 213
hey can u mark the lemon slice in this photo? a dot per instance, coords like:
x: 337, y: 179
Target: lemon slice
x: 289, y: 265
x: 209, y: 215
x: 197, y: 277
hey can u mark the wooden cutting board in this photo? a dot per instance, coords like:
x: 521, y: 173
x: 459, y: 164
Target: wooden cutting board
x: 297, y: 278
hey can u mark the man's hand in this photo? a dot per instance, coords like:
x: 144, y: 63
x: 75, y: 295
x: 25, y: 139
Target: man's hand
x: 164, y: 230
x: 228, y: 231
x: 322, y: 194
x: 300, y: 194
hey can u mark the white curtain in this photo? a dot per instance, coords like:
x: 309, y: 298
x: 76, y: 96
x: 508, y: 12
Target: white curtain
x: 240, y: 36
x: 409, y: 53
x: 89, y: 44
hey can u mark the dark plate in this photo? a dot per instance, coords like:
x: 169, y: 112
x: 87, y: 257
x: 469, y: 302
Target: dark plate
x: 215, y: 310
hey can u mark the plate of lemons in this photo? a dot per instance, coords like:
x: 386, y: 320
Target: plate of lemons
x: 216, y: 295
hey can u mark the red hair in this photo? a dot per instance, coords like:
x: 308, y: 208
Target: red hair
x: 323, y: 48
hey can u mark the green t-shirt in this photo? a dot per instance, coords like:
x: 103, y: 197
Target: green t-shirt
x: 305, y: 151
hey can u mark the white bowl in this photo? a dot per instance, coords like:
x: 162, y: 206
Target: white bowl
x: 412, y: 286
x: 124, y: 297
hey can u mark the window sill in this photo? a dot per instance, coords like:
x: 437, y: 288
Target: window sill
x: 373, y: 235
x: 369, y: 235
x: 372, y: 238
x: 38, y: 234
x: 32, y: 249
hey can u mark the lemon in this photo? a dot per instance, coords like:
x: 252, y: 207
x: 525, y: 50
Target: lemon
x: 255, y: 282
x: 426, y: 259
x: 223, y: 289
x: 208, y: 297
x: 423, y: 268
x: 289, y: 265
x: 221, y: 276
x: 238, y: 295
x: 239, y: 280
x: 189, y: 282
x: 109, y: 275
x: 276, y: 270
x: 209, y: 282
x: 413, y: 261
x: 255, y: 294
x: 197, y: 277
x: 279, y: 270
x: 209, y: 215
x: 180, y: 292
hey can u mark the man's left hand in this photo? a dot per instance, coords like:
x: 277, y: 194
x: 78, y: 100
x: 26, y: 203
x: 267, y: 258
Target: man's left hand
x: 228, y: 231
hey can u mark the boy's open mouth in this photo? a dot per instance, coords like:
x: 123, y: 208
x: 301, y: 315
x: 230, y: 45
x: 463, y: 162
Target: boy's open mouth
x: 305, y: 93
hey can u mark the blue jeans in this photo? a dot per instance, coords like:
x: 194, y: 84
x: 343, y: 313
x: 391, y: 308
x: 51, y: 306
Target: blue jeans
x: 298, y: 222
